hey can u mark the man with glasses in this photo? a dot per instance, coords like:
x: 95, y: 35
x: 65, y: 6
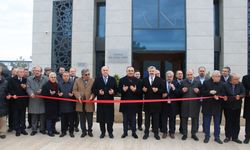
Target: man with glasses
x: 82, y: 91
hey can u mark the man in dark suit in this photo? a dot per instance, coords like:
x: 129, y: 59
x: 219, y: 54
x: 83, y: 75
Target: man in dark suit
x: 168, y: 111
x: 234, y: 92
x: 130, y: 88
x: 140, y: 105
x: 190, y: 88
x: 17, y: 87
x: 212, y: 107
x: 246, y: 83
x: 225, y: 74
x: 153, y: 89
x: 72, y: 78
x: 105, y: 88
x: 177, y: 83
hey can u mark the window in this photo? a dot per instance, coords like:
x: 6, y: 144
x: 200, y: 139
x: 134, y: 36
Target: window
x: 159, y: 25
x: 61, y: 34
x: 101, y: 14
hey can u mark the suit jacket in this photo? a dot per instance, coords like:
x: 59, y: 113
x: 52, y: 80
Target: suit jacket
x: 66, y: 106
x: 170, y: 107
x: 14, y: 87
x: 105, y: 112
x: 198, y: 79
x: 84, y: 93
x: 157, y: 83
x: 212, y: 106
x: 246, y: 83
x: 190, y: 108
x: 223, y: 79
x: 129, y: 94
x: 232, y: 103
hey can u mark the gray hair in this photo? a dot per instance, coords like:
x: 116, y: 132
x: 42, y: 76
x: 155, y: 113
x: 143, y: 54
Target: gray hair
x: 84, y: 71
x: 19, y: 69
x: 236, y: 75
x: 169, y: 72
x: 151, y: 67
x: 216, y: 72
x: 52, y: 74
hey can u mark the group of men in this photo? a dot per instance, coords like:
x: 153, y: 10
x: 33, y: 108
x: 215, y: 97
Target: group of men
x: 216, y: 96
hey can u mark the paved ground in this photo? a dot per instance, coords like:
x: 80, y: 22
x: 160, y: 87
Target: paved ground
x: 43, y: 142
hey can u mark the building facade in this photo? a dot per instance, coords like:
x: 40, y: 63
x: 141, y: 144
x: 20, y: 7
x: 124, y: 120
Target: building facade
x: 169, y: 34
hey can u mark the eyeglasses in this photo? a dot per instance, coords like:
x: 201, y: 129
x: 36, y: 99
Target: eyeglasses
x: 53, y: 77
x: 87, y: 74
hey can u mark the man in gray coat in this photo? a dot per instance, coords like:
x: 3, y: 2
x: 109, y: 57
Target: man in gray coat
x: 190, y: 88
x: 36, y: 105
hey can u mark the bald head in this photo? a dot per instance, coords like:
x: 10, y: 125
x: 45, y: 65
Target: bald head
x: 190, y: 74
x: 105, y: 71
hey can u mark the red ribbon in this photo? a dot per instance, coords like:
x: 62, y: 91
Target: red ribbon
x: 117, y: 101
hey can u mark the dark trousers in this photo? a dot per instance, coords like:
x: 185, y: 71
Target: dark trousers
x: 19, y: 119
x: 129, y: 120
x: 35, y: 118
x: 29, y: 119
x: 67, y: 122
x: 184, y: 124
x: 51, y: 125
x: 232, y: 126
x: 139, y: 119
x: 10, y: 117
x: 207, y: 122
x: 109, y: 127
x: 155, y: 122
x: 247, y: 129
x: 86, y: 117
x: 168, y: 120
x: 76, y: 119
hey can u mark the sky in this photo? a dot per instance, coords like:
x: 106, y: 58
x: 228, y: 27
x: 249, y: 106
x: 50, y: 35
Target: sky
x: 16, y: 29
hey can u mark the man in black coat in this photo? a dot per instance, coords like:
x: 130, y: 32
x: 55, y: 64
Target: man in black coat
x: 105, y: 88
x: 169, y: 109
x: 66, y: 108
x: 212, y: 107
x: 153, y: 89
x: 190, y: 88
x: 246, y: 115
x: 234, y: 92
x: 17, y: 87
x: 140, y: 105
x: 130, y: 89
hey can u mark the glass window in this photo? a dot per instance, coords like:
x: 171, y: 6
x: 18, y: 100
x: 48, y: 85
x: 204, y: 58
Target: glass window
x: 159, y: 25
x: 101, y: 14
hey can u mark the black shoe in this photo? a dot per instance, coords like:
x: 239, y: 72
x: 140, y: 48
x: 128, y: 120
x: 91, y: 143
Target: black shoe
x: 184, y: 137
x: 83, y: 134
x: 18, y: 133
x: 62, y: 135
x: 90, y: 134
x: 218, y: 141
x: 10, y: 130
x: 76, y: 130
x: 140, y: 128
x: 55, y: 132
x: 124, y: 135
x: 43, y: 132
x: 102, y: 135
x: 24, y: 132
x: 2, y: 136
x: 246, y: 141
x: 206, y: 140
x: 33, y: 133
x: 226, y: 140
x: 145, y: 136
x: 29, y: 127
x: 111, y: 136
x: 237, y: 141
x: 135, y: 135
x: 157, y: 137
x: 195, y: 137
x: 72, y: 135
x: 51, y: 134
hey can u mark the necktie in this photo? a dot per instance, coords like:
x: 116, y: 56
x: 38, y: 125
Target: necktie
x: 152, y: 80
x: 105, y: 80
x: 168, y: 87
x: 233, y: 89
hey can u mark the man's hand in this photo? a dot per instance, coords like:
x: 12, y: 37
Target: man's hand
x: 164, y: 95
x: 32, y: 95
x: 237, y: 97
x: 125, y: 88
x: 101, y: 92
x: 52, y: 92
x: 213, y: 92
x: 184, y: 89
x: 216, y: 97
x: 225, y: 98
x: 111, y: 92
x: 60, y: 94
x: 155, y: 89
x: 8, y: 97
x: 172, y: 86
x: 144, y: 89
x: 23, y: 86
x: 38, y: 92
x: 196, y: 90
x: 14, y: 96
x: 133, y: 88
x: 79, y: 100
x: 71, y: 94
